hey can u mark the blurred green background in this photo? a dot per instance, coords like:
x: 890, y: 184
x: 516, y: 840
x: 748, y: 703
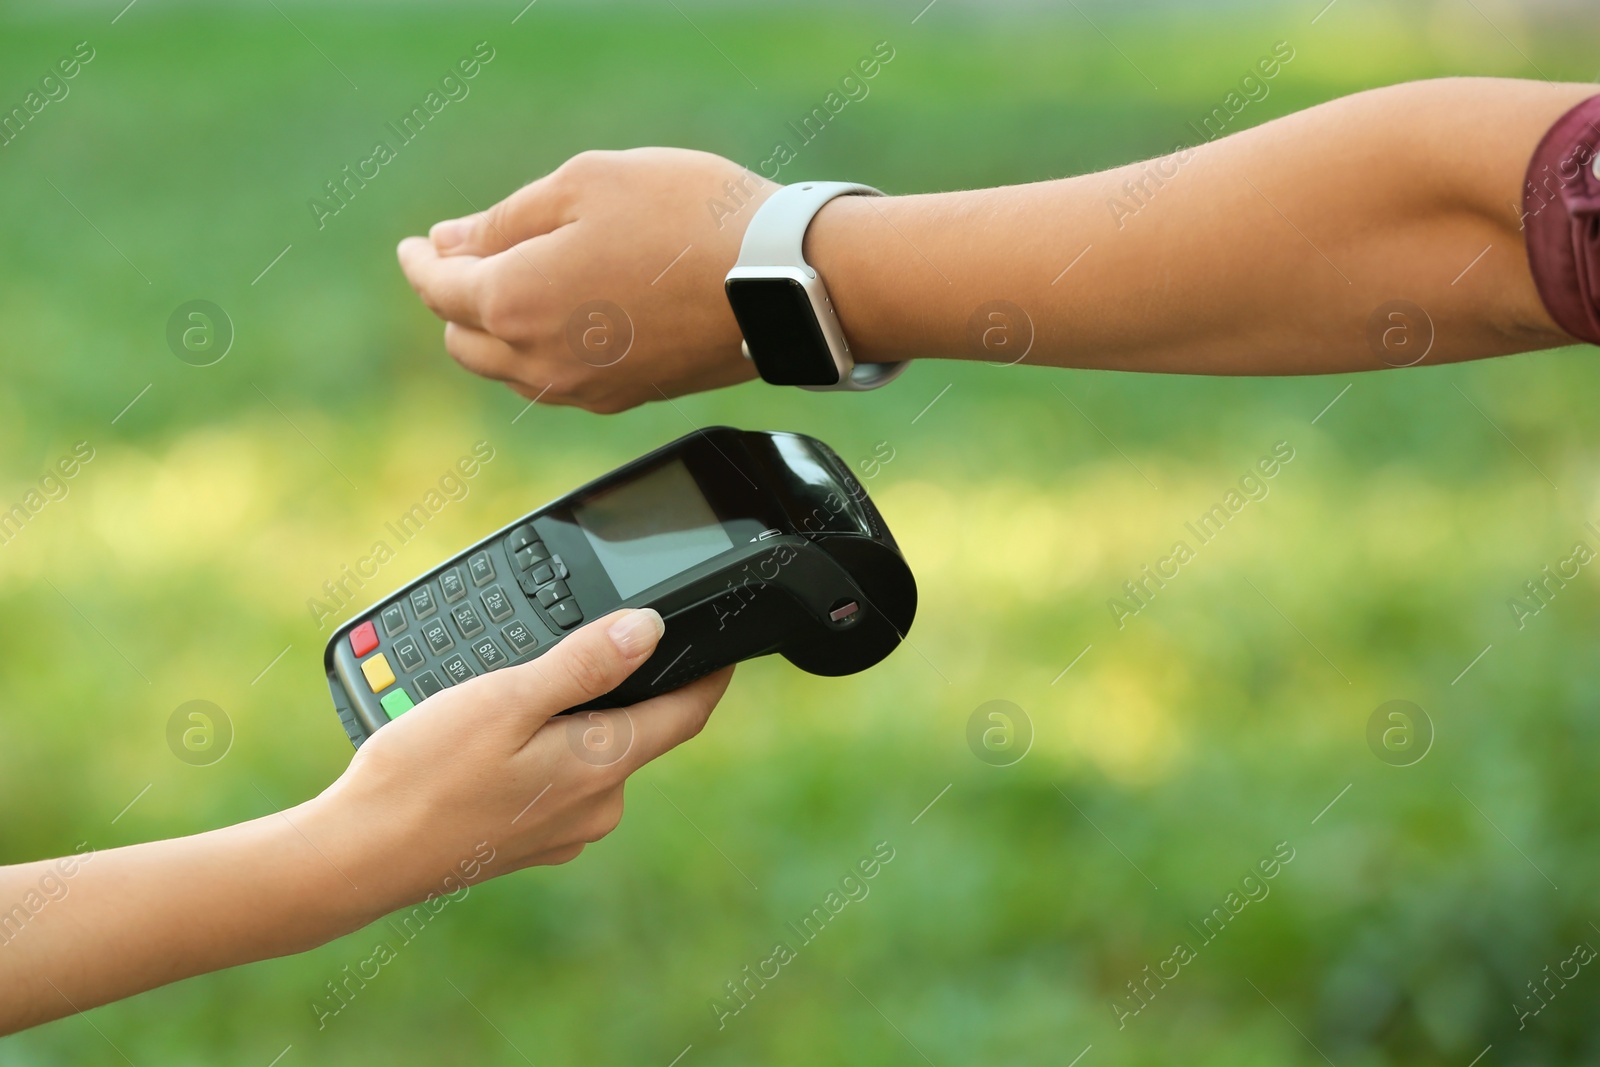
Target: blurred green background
x: 1177, y: 752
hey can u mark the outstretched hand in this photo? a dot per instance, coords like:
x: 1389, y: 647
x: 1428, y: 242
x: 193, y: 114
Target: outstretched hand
x: 474, y: 782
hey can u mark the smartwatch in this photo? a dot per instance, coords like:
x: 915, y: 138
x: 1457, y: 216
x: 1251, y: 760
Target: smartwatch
x: 790, y: 330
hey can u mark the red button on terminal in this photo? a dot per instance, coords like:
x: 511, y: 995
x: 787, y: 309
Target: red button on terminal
x: 363, y: 639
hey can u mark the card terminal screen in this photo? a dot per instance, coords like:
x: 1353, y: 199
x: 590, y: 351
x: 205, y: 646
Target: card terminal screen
x: 651, y: 528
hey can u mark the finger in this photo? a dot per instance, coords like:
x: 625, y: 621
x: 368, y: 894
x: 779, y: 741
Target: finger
x: 628, y: 738
x: 536, y: 208
x: 669, y: 720
x: 534, y: 393
x: 451, y: 287
x: 482, y: 353
x: 603, y: 815
x: 552, y: 858
x: 590, y: 662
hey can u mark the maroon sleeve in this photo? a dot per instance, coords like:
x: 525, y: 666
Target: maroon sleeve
x: 1561, y: 214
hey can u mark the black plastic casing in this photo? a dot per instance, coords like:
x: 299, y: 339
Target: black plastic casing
x: 807, y: 544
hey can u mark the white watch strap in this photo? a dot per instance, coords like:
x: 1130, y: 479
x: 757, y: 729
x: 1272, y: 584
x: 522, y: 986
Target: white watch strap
x: 777, y: 232
x: 776, y: 238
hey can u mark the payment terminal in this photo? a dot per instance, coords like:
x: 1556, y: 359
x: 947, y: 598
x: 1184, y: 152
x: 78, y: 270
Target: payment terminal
x: 746, y: 542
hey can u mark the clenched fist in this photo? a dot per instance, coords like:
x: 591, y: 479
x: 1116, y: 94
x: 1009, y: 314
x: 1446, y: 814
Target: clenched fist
x: 600, y: 284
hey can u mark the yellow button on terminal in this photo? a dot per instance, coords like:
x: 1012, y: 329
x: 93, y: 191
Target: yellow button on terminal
x: 380, y: 675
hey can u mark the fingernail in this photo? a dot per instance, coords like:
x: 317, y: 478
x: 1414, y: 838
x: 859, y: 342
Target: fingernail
x: 636, y: 633
x: 448, y: 234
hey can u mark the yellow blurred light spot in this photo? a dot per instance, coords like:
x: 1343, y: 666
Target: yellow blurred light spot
x: 190, y: 504
x: 1115, y: 720
x: 1005, y: 539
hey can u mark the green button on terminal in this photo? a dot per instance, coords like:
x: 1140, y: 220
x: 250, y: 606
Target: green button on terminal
x: 397, y: 703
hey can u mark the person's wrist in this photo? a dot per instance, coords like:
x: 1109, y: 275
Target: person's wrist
x: 851, y: 267
x: 361, y: 865
x: 833, y: 248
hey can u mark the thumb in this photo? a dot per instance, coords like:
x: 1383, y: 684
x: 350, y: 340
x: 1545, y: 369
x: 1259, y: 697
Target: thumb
x: 589, y: 662
x: 531, y: 211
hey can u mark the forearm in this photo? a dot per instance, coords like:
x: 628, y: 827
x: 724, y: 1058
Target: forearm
x: 400, y: 826
x: 1262, y: 253
x: 129, y: 919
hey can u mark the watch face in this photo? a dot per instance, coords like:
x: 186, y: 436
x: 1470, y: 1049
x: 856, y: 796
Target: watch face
x: 780, y: 329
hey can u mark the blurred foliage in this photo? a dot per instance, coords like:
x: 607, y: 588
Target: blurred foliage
x: 1176, y: 752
